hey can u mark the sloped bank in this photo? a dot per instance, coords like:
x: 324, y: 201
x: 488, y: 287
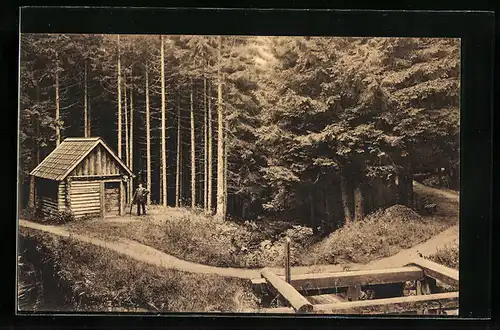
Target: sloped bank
x: 76, y: 276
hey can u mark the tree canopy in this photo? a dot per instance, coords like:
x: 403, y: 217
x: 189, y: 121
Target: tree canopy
x: 303, y: 116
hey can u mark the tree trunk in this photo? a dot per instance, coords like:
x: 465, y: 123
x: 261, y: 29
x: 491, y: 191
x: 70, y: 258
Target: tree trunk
x: 193, y: 152
x: 125, y: 112
x: 119, y: 86
x: 225, y: 173
x: 127, y: 149
x: 220, y: 154
x: 163, y: 119
x: 312, y: 219
x: 344, y: 189
x: 85, y: 105
x: 359, y: 212
x: 181, y: 175
x: 148, y: 138
x: 32, y: 194
x: 405, y: 183
x: 210, y: 150
x: 205, y: 146
x: 131, y: 159
x: 57, y: 119
x: 179, y: 155
x: 328, y: 215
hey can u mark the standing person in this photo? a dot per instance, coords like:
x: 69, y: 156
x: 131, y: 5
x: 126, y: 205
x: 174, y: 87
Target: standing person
x: 140, y: 197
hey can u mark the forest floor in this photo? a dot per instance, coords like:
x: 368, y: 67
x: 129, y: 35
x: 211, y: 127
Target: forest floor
x: 115, y: 233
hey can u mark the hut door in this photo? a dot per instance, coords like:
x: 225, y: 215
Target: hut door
x: 111, y: 198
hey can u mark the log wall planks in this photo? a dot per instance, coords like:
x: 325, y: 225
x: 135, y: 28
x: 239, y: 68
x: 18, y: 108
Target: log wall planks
x: 49, y: 205
x: 85, y: 198
x: 62, y: 197
x: 98, y: 162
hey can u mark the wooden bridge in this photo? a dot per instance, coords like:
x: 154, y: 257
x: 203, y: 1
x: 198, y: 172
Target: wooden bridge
x: 345, y: 292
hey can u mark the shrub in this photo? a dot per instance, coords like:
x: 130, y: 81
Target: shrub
x: 447, y: 256
x: 59, y: 218
x: 381, y: 234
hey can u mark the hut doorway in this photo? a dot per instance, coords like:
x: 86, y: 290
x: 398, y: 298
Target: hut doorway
x: 112, y: 198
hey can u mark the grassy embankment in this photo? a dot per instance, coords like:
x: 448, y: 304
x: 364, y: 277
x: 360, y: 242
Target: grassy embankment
x: 64, y: 274
x: 201, y: 238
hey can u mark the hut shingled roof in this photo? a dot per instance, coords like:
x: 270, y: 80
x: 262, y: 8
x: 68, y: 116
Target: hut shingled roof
x: 60, y: 162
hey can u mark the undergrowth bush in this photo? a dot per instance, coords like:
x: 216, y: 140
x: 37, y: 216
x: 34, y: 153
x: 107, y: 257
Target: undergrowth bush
x: 97, y: 279
x: 59, y: 218
x: 447, y: 256
x: 54, y: 218
x: 205, y: 239
x: 381, y: 234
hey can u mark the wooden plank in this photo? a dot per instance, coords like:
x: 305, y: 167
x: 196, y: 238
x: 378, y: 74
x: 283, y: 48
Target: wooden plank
x: 90, y: 211
x: 94, y: 202
x: 87, y: 211
x: 303, y: 282
x: 120, y: 212
x: 79, y: 170
x: 77, y: 208
x: 98, y: 168
x: 91, y: 158
x: 296, y: 300
x: 85, y: 189
x: 85, y: 206
x: 391, y: 305
x: 277, y: 310
x: 325, y: 299
x: 104, y: 163
x: 86, y: 166
x: 98, y: 178
x: 62, y: 196
x: 108, y: 165
x: 439, y: 272
x: 49, y: 202
x: 68, y: 193
x: 85, y: 197
x: 102, y: 194
x: 80, y: 183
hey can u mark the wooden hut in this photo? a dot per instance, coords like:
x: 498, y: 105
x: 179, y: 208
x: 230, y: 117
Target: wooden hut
x: 82, y: 176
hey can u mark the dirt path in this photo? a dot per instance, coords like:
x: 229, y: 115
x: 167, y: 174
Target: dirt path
x: 144, y: 253
x: 451, y: 195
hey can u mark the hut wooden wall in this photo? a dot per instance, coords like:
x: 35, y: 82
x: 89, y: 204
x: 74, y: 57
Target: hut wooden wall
x: 85, y: 198
x: 98, y: 162
x: 46, y: 192
x: 62, y: 197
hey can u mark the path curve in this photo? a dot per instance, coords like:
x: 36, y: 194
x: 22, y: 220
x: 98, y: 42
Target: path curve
x: 451, y: 195
x: 147, y: 254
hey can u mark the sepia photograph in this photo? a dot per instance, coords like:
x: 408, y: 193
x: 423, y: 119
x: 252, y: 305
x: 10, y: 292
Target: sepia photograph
x: 238, y: 174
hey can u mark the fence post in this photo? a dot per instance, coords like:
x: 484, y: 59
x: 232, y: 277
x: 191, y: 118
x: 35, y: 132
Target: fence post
x: 287, y: 260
